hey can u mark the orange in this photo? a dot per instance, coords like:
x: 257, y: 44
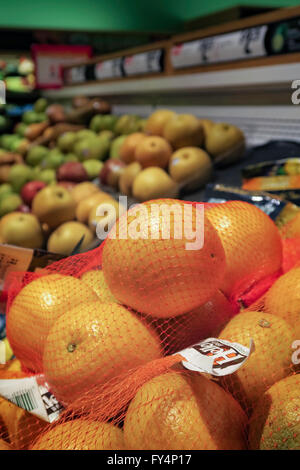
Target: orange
x: 271, y: 360
x: 204, y: 322
x: 95, y: 280
x: 128, y: 148
x: 21, y: 427
x: 292, y: 228
x: 93, y: 343
x: 283, y: 298
x: 153, y: 151
x: 275, y: 423
x: 156, y: 122
x: 35, y: 309
x: 184, y: 411
x: 157, y: 275
x: 81, y: 434
x: 251, y: 242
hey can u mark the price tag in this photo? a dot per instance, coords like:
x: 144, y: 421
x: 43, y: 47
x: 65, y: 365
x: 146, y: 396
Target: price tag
x: 13, y: 258
x: 145, y: 62
x: 76, y: 74
x: 216, y: 356
x: 223, y: 48
x: 186, y: 55
x: 109, y: 69
x: 33, y: 395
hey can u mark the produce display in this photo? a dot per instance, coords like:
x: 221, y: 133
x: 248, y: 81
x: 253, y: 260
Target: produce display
x: 57, y: 158
x: 147, y: 343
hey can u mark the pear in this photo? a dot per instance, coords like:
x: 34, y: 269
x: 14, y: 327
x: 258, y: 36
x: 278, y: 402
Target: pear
x: 153, y: 183
x: 222, y: 138
x: 156, y: 122
x: 184, y: 130
x: 19, y: 175
x: 128, y: 176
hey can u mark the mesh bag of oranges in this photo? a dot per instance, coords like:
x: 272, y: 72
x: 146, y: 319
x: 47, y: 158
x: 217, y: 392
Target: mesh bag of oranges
x: 179, y: 332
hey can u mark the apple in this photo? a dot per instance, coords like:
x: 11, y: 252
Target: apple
x: 184, y: 130
x: 190, y: 166
x: 21, y: 229
x: 9, y: 203
x: 222, y: 138
x: 85, y: 206
x: 83, y: 190
x: 5, y: 188
x: 93, y: 168
x: 153, y: 183
x: 156, y: 122
x: 153, y: 151
x: 69, y: 185
x: 92, y: 148
x: 126, y: 124
x: 111, y: 172
x: 53, y: 160
x: 72, y: 171
x: 30, y: 189
x: 127, y: 178
x: 54, y: 205
x: 129, y: 145
x: 65, y: 238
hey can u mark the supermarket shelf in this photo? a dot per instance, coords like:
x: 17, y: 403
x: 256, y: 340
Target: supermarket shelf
x: 271, y: 76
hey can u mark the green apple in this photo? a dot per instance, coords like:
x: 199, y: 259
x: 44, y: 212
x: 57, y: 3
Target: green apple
x: 96, y: 123
x: 19, y: 175
x: 10, y: 203
x: 7, y: 140
x: 66, y: 141
x: 115, y: 146
x: 102, y: 122
x: 93, y: 168
x: 36, y: 155
x: 92, y: 148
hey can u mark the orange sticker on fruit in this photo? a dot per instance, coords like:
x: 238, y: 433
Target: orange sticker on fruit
x: 216, y: 356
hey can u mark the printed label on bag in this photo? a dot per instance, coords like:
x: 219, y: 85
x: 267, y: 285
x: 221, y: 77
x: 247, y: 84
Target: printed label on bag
x: 216, y: 356
x: 13, y: 258
x: 2, y: 353
x: 33, y: 395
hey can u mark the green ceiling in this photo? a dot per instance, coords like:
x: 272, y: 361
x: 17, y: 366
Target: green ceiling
x: 114, y: 15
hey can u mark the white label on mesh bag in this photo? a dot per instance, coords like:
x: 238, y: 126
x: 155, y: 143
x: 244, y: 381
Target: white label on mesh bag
x: 33, y: 395
x: 2, y: 353
x: 216, y: 356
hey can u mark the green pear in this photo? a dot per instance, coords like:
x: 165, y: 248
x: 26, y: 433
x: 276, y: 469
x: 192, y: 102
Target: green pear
x: 96, y: 148
x: 126, y: 124
x: 19, y: 175
x: 10, y: 203
x: 93, y: 168
x: 96, y: 123
x: 30, y: 117
x: 66, y: 141
x: 84, y: 134
x: 40, y: 105
x: 48, y: 176
x: 36, y: 155
x: 53, y: 160
x: 21, y: 128
x: 6, y: 140
x: 70, y: 157
x: 5, y: 189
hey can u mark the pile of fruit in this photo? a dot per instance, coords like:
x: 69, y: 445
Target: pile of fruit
x: 60, y: 153
x: 103, y: 328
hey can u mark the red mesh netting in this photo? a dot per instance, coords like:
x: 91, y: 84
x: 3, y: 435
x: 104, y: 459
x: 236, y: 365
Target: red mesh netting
x: 104, y: 328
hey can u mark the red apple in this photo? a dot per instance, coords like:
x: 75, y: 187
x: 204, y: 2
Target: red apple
x: 30, y: 189
x: 69, y: 185
x: 111, y: 172
x: 72, y: 171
